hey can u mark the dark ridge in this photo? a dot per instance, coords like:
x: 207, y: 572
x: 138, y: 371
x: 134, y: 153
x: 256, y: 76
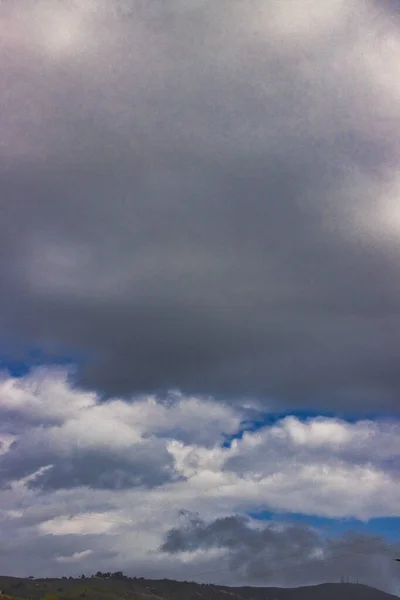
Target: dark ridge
x: 120, y: 587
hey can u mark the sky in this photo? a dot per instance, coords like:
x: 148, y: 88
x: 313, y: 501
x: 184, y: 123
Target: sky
x: 199, y: 308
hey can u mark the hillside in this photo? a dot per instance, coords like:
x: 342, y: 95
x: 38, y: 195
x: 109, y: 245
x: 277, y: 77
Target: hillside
x: 142, y: 589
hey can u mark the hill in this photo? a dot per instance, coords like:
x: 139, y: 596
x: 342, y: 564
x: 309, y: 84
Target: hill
x: 124, y: 588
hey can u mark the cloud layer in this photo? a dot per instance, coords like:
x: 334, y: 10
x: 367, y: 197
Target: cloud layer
x: 202, y: 196
x: 199, y: 208
x: 84, y: 480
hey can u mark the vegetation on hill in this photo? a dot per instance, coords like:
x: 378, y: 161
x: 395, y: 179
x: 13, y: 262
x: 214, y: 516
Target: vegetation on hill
x: 117, y: 586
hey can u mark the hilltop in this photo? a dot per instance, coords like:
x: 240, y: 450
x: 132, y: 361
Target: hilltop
x: 124, y: 588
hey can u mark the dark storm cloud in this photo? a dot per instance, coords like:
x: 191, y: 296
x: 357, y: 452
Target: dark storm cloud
x: 290, y: 555
x: 175, y: 201
x: 147, y: 465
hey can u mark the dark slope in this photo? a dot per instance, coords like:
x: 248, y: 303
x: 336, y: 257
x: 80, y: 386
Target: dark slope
x: 165, y: 589
x: 324, y: 591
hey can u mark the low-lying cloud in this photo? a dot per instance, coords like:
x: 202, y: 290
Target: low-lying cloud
x: 266, y: 554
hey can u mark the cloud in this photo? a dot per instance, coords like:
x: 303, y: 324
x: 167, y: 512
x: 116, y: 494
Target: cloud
x: 198, y: 200
x: 148, y: 465
x: 73, y: 441
x: 48, y: 397
x: 274, y: 555
x: 75, y: 557
x: 84, y: 524
x: 310, y: 473
x: 192, y: 196
x: 137, y: 473
x: 42, y: 397
x: 66, y: 438
x: 320, y: 465
x: 319, y: 438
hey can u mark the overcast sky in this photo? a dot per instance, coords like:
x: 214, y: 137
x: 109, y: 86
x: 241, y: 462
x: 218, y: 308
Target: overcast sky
x: 200, y: 298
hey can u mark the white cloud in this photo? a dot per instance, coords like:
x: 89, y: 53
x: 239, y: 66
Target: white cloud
x: 47, y: 395
x: 315, y: 433
x: 43, y: 394
x: 79, y: 525
x: 5, y: 442
x: 75, y: 557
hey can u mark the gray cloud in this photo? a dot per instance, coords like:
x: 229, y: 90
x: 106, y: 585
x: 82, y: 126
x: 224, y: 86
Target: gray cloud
x: 178, y: 192
x: 32, y: 554
x: 272, y: 554
x: 232, y: 532
x: 146, y: 464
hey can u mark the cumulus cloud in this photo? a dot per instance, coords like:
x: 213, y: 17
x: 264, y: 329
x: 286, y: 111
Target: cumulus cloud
x: 201, y: 196
x: 109, y: 476
x: 120, y: 444
x: 75, y: 440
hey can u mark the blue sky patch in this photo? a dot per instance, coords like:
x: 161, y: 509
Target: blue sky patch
x: 19, y: 364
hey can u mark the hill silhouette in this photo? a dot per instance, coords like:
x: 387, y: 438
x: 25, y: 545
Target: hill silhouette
x: 125, y: 588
